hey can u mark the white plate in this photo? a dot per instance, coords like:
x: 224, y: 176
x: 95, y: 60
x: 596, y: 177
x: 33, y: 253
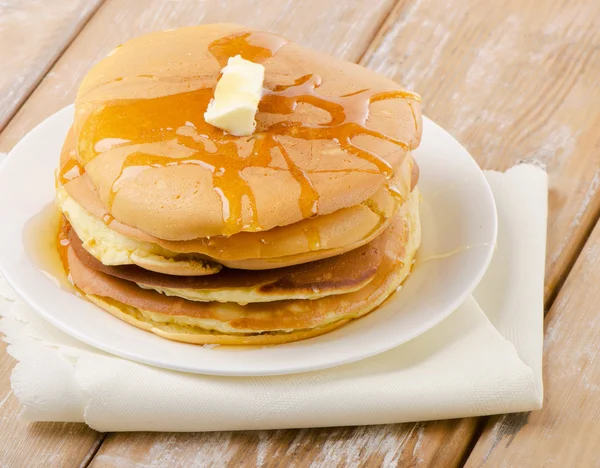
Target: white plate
x: 458, y: 218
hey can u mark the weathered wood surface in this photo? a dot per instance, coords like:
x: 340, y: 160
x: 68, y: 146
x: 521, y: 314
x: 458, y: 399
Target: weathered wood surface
x: 510, y: 81
x: 566, y: 433
x: 39, y: 444
x: 33, y: 34
x: 310, y: 23
x: 344, y: 29
x: 374, y: 446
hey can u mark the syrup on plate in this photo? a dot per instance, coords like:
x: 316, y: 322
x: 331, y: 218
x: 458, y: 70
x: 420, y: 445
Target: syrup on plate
x: 46, y: 244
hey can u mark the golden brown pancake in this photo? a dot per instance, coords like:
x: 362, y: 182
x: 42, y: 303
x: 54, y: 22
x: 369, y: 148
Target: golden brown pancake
x: 329, y: 135
x: 260, y: 323
x: 308, y: 240
x: 336, y: 275
x: 200, y: 236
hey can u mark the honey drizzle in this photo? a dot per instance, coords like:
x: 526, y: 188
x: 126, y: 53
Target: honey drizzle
x: 178, y: 118
x: 69, y: 171
x: 412, y: 112
x: 309, y: 197
x: 450, y: 253
x: 349, y: 114
x: 313, y: 237
x: 45, y: 243
x: 62, y: 244
x: 395, y: 192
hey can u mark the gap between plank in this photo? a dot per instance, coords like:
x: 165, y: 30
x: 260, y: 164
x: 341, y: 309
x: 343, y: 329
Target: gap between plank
x: 93, y: 450
x: 375, y: 38
x: 548, y: 305
x: 578, y: 249
x: 97, y: 444
x: 480, y: 424
x: 51, y: 64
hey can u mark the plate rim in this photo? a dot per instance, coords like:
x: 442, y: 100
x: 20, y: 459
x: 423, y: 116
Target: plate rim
x: 325, y: 364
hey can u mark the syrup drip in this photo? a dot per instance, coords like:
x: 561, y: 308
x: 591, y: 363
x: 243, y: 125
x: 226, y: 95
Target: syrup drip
x: 44, y: 238
x: 69, y: 171
x: 313, y: 237
x: 396, y: 193
x: 348, y: 113
x: 309, y: 197
x: 451, y: 253
x: 178, y: 119
x: 62, y: 244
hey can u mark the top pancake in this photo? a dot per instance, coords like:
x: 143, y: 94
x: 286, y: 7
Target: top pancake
x: 329, y: 133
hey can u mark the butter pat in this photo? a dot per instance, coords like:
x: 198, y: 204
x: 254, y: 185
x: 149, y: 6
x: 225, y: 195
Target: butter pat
x: 236, y: 98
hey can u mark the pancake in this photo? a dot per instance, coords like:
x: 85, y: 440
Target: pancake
x: 336, y: 275
x: 309, y: 240
x: 329, y: 135
x: 112, y: 248
x: 260, y: 323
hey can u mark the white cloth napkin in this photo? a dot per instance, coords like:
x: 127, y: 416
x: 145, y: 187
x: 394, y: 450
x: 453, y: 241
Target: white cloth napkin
x: 485, y: 358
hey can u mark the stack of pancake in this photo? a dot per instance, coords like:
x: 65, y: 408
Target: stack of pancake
x: 199, y: 236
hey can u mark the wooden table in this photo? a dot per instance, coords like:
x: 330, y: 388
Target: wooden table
x: 510, y: 79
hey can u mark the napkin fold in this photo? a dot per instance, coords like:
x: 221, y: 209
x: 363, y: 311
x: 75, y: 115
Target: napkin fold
x: 485, y: 358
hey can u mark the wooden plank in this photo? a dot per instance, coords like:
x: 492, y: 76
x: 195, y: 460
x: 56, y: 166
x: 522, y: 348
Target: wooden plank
x: 33, y: 34
x: 344, y: 29
x: 442, y: 443
x: 374, y: 446
x: 566, y: 433
x: 511, y: 80
x: 308, y: 22
x: 40, y: 444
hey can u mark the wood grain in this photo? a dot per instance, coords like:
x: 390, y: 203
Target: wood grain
x: 511, y: 80
x: 566, y: 433
x: 373, y: 446
x: 33, y: 33
x: 344, y: 29
x: 341, y: 29
x: 40, y: 444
